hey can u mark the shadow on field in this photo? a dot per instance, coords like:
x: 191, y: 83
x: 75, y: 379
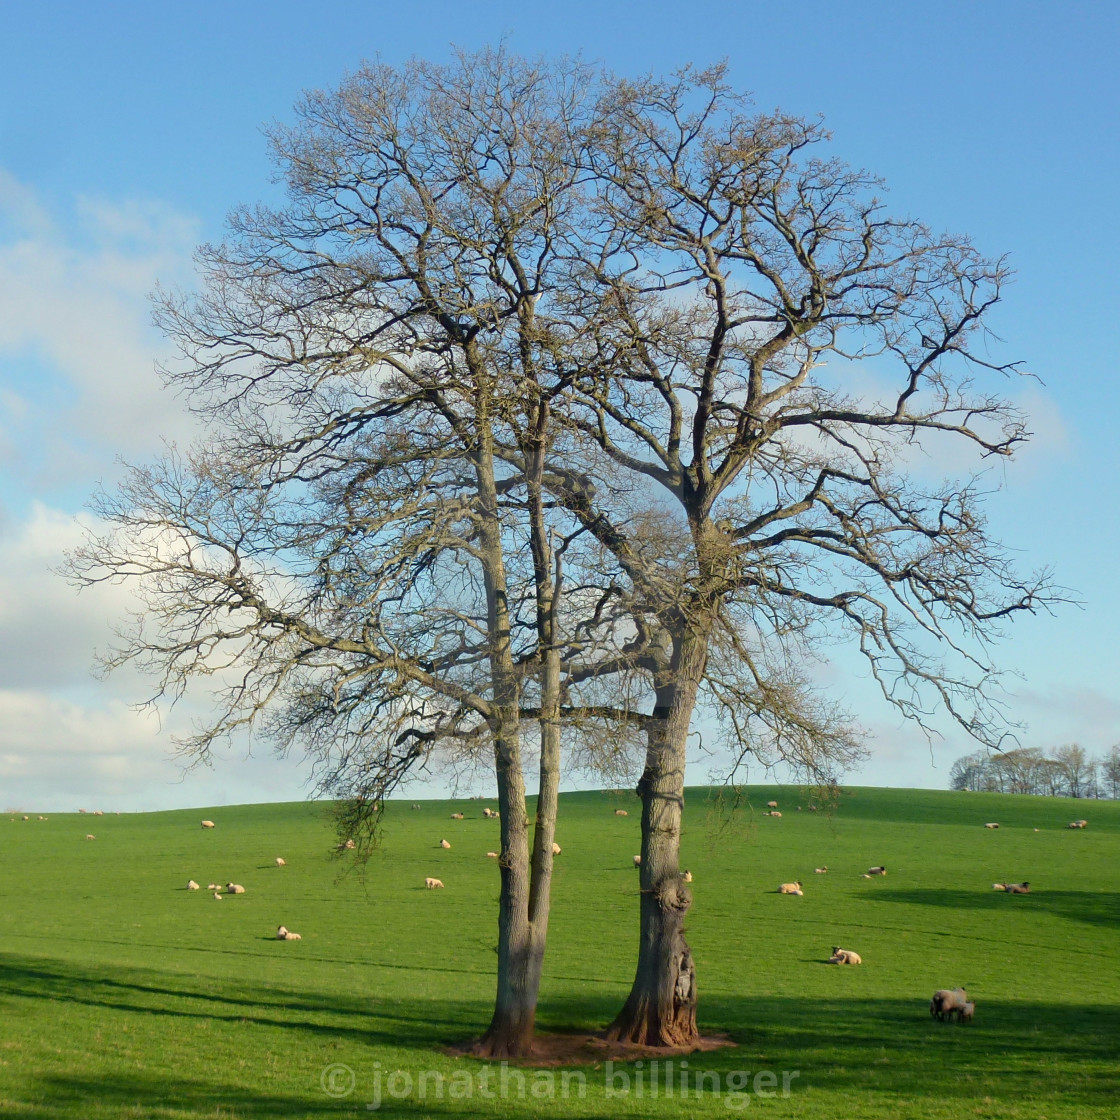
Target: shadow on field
x: 889, y: 1049
x: 1091, y: 907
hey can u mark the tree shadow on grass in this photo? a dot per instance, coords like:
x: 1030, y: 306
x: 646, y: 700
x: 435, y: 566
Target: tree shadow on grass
x: 1091, y: 907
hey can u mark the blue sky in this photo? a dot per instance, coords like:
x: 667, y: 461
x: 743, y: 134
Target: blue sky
x: 128, y: 130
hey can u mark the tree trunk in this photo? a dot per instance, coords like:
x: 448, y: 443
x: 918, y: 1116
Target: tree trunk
x: 661, y: 1008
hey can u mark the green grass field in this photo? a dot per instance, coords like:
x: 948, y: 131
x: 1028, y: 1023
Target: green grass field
x: 122, y: 994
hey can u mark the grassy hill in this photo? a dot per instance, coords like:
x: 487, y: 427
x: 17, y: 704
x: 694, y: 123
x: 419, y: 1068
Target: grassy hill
x: 122, y: 994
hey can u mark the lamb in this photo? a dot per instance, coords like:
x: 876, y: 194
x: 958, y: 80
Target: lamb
x: 457, y: 816
x: 999, y: 886
x: 556, y: 849
x: 771, y: 804
x: 192, y: 885
x: 820, y: 870
x: 844, y: 956
x: 637, y: 861
x: 281, y: 862
x: 945, y: 1002
x: 992, y: 824
x: 865, y: 876
x: 790, y: 888
x: 346, y: 846
x: 687, y: 875
x: 491, y: 855
x: 213, y: 886
x: 964, y: 1014
x: 218, y: 895
x: 234, y: 888
x: 621, y: 813
x: 90, y: 836
x: 880, y: 870
x: 283, y: 934
x: 444, y: 844
x: 207, y: 824
x: 432, y: 884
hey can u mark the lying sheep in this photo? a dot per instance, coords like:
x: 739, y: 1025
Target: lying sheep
x: 999, y: 886
x: 491, y: 855
x: 945, y: 1002
x: 1018, y: 888
x: 486, y: 813
x: 556, y: 849
x: 281, y: 862
x: 820, y: 870
x: 96, y: 813
x: 432, y: 884
x: 26, y: 818
x: 283, y: 934
x: 773, y: 813
x: 844, y: 956
x: 218, y: 895
x: 876, y: 870
x: 771, y: 804
x: 991, y: 824
x: 234, y: 888
x: 1072, y: 824
x: 192, y: 885
x: 621, y: 813
x: 457, y: 816
x: 346, y: 846
x: 207, y: 824
x: 686, y: 875
x: 790, y: 888
x: 213, y: 886
x: 444, y: 844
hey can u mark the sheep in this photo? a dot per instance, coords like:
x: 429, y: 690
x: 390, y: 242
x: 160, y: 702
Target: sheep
x: 820, y: 870
x: 26, y: 818
x: 556, y: 849
x: 999, y: 886
x: 346, y: 846
x: 771, y: 804
x: 81, y: 810
x: 234, y: 888
x: 42, y: 818
x: 281, y: 861
x: 192, y: 885
x: 432, y: 884
x: 444, y: 844
x: 992, y: 824
x: 637, y: 861
x: 865, y: 876
x: 491, y: 855
x: 283, y: 934
x: 207, y: 824
x: 621, y: 813
x: 773, y: 813
x: 844, y: 956
x: 90, y: 836
x: 218, y: 895
x: 457, y: 816
x: 964, y: 1014
x: 486, y: 812
x: 1072, y: 824
x: 96, y: 813
x: 213, y: 886
x: 945, y: 1002
x: 790, y: 888
x: 880, y: 870
x: 686, y: 875
x: 1018, y: 888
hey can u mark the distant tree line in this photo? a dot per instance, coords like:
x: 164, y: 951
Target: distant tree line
x: 1067, y: 771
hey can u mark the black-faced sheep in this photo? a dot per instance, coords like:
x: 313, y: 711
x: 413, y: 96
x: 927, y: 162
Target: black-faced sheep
x: 234, y: 888
x: 844, y: 956
x: 945, y: 1002
x: 444, y: 844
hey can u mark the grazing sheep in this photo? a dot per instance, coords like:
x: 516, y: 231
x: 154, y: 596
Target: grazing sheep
x: 444, y: 844
x: 192, y: 885
x: 491, y: 855
x: 1018, y: 888
x: 877, y: 870
x: 820, y: 870
x: 281, y: 861
x: 790, y: 888
x: 556, y: 849
x: 90, y: 836
x: 96, y: 813
x: 234, y: 888
x: 1072, y: 824
x: 81, y: 810
x: 42, y: 818
x: 637, y: 861
x: 457, y: 816
x: 207, y: 824
x: 771, y: 804
x: 844, y: 956
x: 687, y: 875
x: 621, y: 813
x: 964, y: 1014
x: 283, y: 934
x: 26, y: 818
x: 432, y: 884
x: 945, y: 1002
x: 992, y: 824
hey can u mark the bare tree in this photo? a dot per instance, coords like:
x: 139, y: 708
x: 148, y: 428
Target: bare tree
x: 739, y: 265
x: 1078, y: 771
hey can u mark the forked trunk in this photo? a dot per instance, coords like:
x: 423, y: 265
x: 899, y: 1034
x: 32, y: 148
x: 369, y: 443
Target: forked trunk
x: 661, y: 1008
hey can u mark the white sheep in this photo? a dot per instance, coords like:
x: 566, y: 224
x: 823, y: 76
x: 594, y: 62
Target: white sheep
x: 491, y: 855
x: 820, y: 870
x: 556, y: 849
x: 999, y: 886
x: 207, y: 824
x: 946, y: 1002
x: 621, y: 813
x: 234, y: 888
x: 790, y: 888
x: 192, y: 885
x: 964, y: 1014
x: 90, y: 836
x: 486, y: 812
x: 444, y: 844
x: 96, y: 813
x: 686, y: 875
x: 346, y: 846
x: 771, y: 804
x: 283, y: 934
x: 432, y: 884
x: 281, y: 862
x: 1072, y: 824
x: 218, y: 895
x: 637, y: 861
x: 844, y: 956
x: 213, y: 886
x: 992, y: 824
x: 457, y: 816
